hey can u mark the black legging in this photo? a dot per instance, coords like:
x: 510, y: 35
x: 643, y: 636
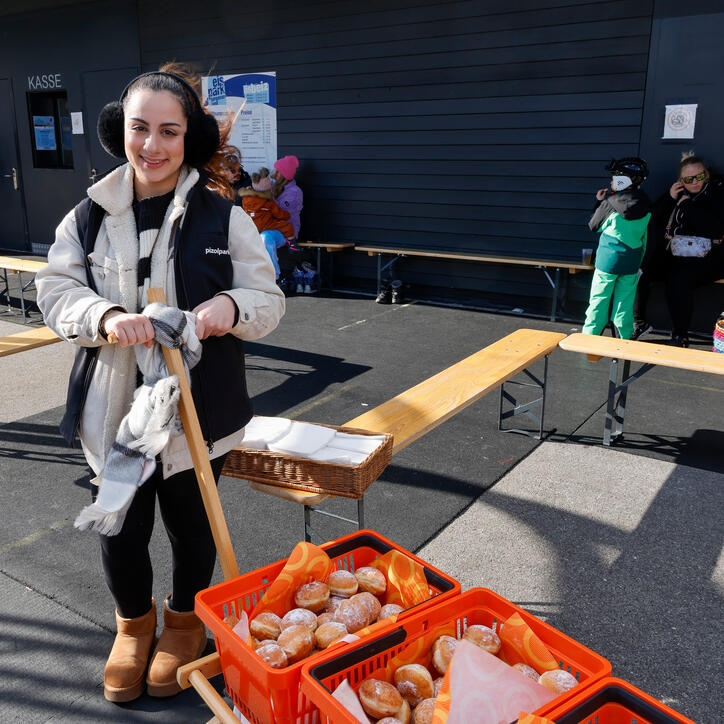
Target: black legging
x: 685, y: 274
x: 126, y: 560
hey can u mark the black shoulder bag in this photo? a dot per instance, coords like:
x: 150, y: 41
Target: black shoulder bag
x: 88, y: 220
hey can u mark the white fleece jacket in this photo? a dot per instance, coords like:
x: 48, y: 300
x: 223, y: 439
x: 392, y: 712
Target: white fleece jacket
x: 73, y: 311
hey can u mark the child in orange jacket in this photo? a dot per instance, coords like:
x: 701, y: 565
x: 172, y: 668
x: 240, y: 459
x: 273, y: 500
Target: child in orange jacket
x: 263, y: 211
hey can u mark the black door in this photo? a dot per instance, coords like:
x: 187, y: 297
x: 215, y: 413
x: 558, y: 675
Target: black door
x: 101, y: 87
x: 13, y: 230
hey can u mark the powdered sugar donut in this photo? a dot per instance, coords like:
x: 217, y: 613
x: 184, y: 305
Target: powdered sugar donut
x: 378, y: 698
x: 297, y: 642
x: 333, y: 603
x: 483, y: 637
x: 390, y: 609
x: 299, y: 617
x: 273, y: 654
x: 312, y: 596
x: 266, y: 625
x: 423, y: 712
x: 328, y: 633
x: 558, y: 680
x: 324, y: 618
x: 371, y: 580
x: 231, y: 620
x: 404, y: 713
x: 442, y: 651
x: 372, y: 605
x: 436, y: 685
x: 526, y: 670
x: 414, y: 682
x: 354, y: 614
x: 342, y: 583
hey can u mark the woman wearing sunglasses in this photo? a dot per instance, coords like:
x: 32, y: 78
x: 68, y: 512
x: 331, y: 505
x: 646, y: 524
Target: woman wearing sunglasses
x: 694, y: 207
x: 699, y: 212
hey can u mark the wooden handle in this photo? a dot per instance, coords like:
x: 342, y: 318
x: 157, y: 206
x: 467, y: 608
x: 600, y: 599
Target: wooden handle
x: 208, y: 665
x: 212, y: 698
x: 199, y: 456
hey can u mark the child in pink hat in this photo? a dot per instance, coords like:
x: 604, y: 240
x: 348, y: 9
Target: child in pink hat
x: 287, y: 194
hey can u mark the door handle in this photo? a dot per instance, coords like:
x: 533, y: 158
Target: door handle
x: 14, y: 177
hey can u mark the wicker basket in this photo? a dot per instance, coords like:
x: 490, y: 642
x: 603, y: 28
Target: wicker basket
x: 349, y: 481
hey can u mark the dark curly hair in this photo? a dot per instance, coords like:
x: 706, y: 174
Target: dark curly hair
x: 213, y: 168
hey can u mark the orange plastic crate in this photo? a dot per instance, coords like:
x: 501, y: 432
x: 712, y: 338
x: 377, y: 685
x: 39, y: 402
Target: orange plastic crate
x: 265, y: 695
x: 477, y: 606
x: 613, y: 701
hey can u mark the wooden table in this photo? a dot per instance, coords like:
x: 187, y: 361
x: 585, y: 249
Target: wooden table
x: 415, y: 412
x: 19, y: 266
x: 31, y: 339
x: 649, y: 355
x: 558, y: 265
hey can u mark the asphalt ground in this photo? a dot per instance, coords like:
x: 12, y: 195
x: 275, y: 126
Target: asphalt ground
x: 644, y: 514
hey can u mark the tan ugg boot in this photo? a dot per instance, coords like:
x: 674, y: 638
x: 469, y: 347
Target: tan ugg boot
x: 183, y: 640
x: 123, y: 678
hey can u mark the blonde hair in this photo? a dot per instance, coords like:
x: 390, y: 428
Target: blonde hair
x: 689, y: 158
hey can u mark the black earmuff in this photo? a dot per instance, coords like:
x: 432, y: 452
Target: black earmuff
x: 110, y: 129
x: 202, y: 134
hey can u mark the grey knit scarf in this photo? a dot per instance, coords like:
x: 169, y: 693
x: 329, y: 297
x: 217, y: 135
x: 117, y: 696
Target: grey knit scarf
x: 151, y: 422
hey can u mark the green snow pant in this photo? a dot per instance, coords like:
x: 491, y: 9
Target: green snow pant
x: 621, y: 288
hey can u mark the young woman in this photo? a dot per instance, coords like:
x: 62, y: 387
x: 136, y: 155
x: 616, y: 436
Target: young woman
x: 695, y: 208
x: 163, y: 224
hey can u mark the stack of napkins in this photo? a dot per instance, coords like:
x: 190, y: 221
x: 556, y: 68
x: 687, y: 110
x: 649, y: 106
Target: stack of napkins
x: 260, y: 431
x: 348, y: 449
x: 304, y: 440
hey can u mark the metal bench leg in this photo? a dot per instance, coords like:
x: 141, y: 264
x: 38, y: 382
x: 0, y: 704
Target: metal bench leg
x: 310, y: 533
x: 22, y: 296
x: 6, y: 291
x: 617, y: 395
x: 611, y: 404
x: 554, y: 303
x: 526, y: 408
x: 620, y: 410
x: 543, y: 398
x: 307, y: 524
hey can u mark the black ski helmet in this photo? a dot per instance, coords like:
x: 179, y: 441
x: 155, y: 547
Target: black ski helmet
x: 632, y: 166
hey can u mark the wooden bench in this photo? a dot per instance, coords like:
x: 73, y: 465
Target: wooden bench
x: 330, y: 249
x: 19, y: 266
x: 21, y: 341
x: 558, y: 265
x: 413, y: 413
x: 649, y: 355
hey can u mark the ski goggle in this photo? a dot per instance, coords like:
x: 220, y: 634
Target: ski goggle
x: 699, y: 177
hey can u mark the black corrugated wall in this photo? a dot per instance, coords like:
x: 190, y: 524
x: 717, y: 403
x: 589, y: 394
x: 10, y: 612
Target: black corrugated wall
x: 479, y: 126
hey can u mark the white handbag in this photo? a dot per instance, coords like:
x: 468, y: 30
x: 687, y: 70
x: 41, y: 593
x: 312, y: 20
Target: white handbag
x: 697, y: 246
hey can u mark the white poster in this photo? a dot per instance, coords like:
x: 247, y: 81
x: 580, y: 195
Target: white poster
x: 76, y: 119
x: 250, y: 100
x: 679, y: 121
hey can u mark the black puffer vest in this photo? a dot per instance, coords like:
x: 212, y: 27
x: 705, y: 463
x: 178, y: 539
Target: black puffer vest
x: 202, y: 267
